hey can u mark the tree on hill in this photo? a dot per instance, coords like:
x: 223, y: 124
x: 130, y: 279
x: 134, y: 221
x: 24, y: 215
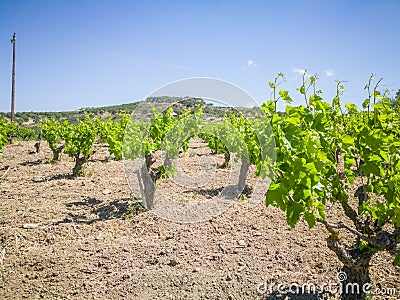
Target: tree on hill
x: 396, y: 101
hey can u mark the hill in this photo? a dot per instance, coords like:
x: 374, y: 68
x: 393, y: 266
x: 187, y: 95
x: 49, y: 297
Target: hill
x: 178, y: 104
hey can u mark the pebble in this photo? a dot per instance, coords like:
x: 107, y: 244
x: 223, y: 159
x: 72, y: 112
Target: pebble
x: 228, y: 276
x: 30, y: 226
x: 242, y: 243
x: 241, y: 268
x: 196, y: 269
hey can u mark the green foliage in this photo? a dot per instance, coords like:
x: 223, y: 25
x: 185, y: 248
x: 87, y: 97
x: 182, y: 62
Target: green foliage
x: 145, y: 138
x: 54, y: 133
x: 136, y: 142
x: 180, y: 131
x: 164, y: 131
x: 113, y: 132
x: 308, y: 172
x: 396, y: 261
x: 3, y: 135
x: 26, y: 133
x: 79, y: 140
x: 11, y: 130
x: 51, y: 132
x: 395, y: 102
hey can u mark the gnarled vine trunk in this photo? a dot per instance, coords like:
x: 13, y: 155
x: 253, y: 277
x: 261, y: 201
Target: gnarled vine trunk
x: 244, y: 169
x: 227, y: 159
x: 37, y: 147
x: 147, y: 178
x: 358, y: 282
x: 355, y: 282
x: 9, y: 138
x: 147, y: 187
x: 57, y: 152
x: 79, y: 161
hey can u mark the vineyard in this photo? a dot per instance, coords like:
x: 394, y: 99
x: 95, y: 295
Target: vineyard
x: 333, y: 203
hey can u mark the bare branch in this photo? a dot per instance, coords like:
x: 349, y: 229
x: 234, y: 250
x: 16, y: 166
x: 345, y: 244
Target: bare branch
x: 350, y: 212
x: 334, y: 244
x: 329, y: 226
x: 373, y: 242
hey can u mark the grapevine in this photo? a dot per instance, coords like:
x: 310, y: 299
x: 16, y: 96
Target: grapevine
x: 3, y: 135
x: 321, y: 154
x: 53, y: 131
x: 78, y: 143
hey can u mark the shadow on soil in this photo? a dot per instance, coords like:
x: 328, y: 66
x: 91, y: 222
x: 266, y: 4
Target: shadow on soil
x: 294, y: 296
x: 55, y: 177
x: 118, y: 208
x: 247, y: 191
x: 206, y: 192
x: 31, y: 163
x: 288, y: 295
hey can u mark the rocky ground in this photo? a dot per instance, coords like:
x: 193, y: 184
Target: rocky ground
x: 64, y: 238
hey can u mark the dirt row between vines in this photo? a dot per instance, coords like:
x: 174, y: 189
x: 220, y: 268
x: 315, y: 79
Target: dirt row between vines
x: 64, y: 238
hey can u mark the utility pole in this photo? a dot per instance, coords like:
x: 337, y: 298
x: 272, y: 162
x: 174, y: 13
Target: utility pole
x: 14, y: 42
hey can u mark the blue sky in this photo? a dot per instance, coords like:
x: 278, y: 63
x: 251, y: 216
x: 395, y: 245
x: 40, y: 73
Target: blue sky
x: 73, y: 54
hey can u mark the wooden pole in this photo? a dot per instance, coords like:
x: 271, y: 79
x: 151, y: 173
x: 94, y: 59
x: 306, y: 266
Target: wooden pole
x: 14, y: 42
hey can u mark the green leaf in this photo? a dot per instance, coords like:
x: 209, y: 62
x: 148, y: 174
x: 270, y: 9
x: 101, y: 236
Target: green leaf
x: 311, y: 168
x: 351, y: 108
x: 276, y: 196
x: 396, y: 261
x: 293, y: 212
x: 350, y: 176
x: 321, y: 106
x: 384, y: 155
x: 310, y: 219
x: 371, y: 168
x: 348, y: 162
x: 347, y: 140
x: 378, y: 95
x: 365, y: 104
x: 268, y: 107
x: 292, y: 120
x: 285, y: 96
x: 320, y: 210
x: 363, y: 245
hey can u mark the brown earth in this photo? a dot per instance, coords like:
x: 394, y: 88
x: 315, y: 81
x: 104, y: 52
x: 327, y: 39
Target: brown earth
x: 64, y: 238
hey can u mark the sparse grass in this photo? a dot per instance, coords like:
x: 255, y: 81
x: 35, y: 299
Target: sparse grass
x: 135, y: 208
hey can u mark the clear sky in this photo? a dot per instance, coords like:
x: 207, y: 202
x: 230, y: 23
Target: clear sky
x: 73, y: 54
